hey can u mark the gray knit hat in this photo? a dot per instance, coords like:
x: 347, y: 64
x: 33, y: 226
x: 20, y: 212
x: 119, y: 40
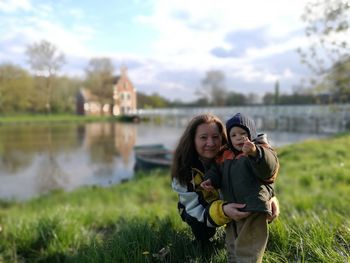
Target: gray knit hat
x: 244, y: 122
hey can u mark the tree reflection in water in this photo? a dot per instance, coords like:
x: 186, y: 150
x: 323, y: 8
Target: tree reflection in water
x: 50, y: 175
x: 105, y: 141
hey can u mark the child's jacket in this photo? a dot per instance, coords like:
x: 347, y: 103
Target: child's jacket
x: 247, y: 180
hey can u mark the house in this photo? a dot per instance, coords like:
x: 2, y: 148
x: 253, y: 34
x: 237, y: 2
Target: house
x: 124, y: 94
x: 88, y: 104
x: 124, y: 98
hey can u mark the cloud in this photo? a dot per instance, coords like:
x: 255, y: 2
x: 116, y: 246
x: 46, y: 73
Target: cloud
x: 77, y: 13
x: 10, y: 6
x: 252, y: 42
x: 230, y: 36
x: 241, y: 40
x: 27, y: 29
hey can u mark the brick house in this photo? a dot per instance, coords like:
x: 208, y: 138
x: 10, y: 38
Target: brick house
x: 124, y: 98
x: 124, y: 94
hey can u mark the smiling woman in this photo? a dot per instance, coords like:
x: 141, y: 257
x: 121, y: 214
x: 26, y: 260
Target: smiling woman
x: 207, y: 141
x: 202, y: 210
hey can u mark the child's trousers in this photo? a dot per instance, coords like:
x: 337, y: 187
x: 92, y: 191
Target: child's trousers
x: 246, y: 239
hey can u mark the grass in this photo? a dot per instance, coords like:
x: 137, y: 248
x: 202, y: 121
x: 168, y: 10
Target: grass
x: 137, y: 221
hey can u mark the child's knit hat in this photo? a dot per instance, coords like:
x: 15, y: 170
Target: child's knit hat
x: 245, y: 123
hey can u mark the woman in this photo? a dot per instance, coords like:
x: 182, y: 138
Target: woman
x: 202, y: 210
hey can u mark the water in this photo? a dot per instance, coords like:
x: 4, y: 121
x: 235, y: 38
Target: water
x: 38, y: 158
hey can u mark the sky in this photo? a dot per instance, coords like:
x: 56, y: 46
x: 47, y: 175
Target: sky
x: 168, y: 46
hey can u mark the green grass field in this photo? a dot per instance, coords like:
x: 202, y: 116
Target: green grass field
x: 137, y: 221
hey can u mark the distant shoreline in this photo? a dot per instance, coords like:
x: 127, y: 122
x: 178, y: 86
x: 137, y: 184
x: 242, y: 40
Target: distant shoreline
x: 45, y: 118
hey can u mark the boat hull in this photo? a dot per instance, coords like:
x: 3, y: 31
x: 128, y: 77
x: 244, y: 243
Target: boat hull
x: 149, y: 157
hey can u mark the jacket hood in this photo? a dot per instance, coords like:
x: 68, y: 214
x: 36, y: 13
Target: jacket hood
x: 243, y: 121
x: 261, y: 139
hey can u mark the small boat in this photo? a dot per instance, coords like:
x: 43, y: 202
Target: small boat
x: 152, y: 156
x: 130, y: 118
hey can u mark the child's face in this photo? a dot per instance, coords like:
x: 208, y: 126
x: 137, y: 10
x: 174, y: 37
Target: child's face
x: 237, y: 136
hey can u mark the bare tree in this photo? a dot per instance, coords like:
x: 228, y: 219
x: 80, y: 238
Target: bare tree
x: 327, y: 24
x: 45, y: 59
x: 99, y: 79
x: 328, y: 56
x: 213, y: 87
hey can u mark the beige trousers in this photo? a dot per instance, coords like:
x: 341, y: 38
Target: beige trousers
x: 246, y: 239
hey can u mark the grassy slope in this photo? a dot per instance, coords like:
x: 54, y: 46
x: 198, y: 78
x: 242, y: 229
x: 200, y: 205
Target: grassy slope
x: 137, y: 221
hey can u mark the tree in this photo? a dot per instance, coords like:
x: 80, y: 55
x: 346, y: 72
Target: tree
x: 277, y: 93
x: 213, y: 87
x: 46, y: 61
x: 16, y: 89
x: 99, y: 79
x: 158, y: 101
x: 64, y: 95
x: 268, y: 98
x: 235, y: 99
x: 201, y: 102
x: 252, y: 98
x: 339, y: 79
x: 151, y: 101
x: 327, y: 27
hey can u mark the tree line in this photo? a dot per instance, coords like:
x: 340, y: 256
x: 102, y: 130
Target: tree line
x: 22, y: 92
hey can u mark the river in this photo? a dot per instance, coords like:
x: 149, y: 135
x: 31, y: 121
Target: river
x: 38, y: 158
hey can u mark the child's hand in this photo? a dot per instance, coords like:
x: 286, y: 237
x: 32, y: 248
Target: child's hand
x: 206, y: 185
x: 249, y: 147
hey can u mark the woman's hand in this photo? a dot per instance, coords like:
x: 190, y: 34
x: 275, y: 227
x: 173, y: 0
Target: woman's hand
x: 231, y: 210
x: 275, y: 207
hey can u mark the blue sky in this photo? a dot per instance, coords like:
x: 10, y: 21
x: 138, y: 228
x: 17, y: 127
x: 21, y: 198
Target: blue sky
x: 167, y: 45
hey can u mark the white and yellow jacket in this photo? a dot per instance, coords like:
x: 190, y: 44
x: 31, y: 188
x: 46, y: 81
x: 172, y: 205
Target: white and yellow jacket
x: 195, y: 203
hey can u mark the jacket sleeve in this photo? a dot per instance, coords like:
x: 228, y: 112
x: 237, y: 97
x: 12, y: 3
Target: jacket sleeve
x: 192, y: 206
x: 215, y: 175
x: 266, y: 163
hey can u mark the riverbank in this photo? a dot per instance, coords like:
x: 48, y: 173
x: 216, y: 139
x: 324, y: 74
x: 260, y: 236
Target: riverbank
x: 137, y: 221
x: 46, y: 118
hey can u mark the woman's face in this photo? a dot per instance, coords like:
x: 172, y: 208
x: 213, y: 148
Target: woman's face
x: 207, y: 141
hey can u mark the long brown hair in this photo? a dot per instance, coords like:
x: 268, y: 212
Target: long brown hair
x: 185, y: 151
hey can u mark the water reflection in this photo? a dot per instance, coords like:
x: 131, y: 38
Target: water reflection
x: 35, y: 159
x: 105, y: 142
x: 50, y: 174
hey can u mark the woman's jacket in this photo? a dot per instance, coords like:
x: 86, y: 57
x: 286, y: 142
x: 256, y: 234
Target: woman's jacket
x: 195, y: 203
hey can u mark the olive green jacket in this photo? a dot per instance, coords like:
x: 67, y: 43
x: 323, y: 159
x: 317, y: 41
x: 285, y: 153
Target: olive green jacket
x: 247, y: 180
